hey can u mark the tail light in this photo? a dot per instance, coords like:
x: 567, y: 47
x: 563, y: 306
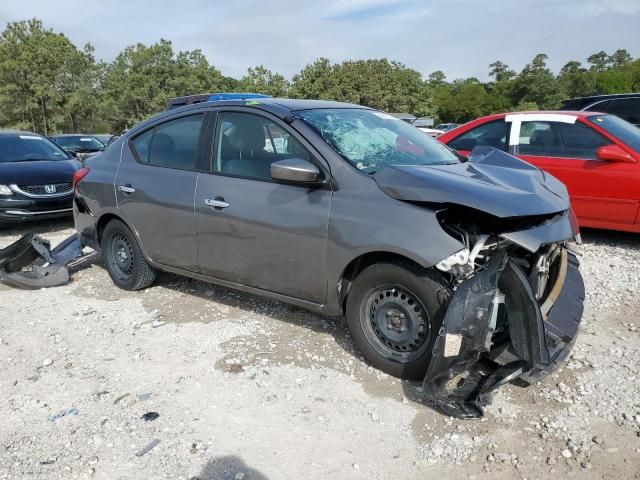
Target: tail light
x: 79, y: 175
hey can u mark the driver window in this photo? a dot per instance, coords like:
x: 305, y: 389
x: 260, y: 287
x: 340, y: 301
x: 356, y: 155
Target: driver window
x: 246, y: 145
x: 491, y: 134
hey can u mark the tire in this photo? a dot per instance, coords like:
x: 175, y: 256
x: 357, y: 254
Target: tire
x: 124, y: 259
x: 394, y: 312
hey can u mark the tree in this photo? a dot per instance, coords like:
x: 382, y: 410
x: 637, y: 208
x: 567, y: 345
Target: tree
x: 536, y: 84
x: 38, y: 71
x: 263, y: 80
x: 316, y: 80
x: 437, y: 77
x: 501, y: 71
x: 137, y: 84
x: 620, y: 58
x: 576, y: 81
x: 599, y: 61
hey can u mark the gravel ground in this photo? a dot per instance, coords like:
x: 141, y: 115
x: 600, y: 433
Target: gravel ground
x: 247, y: 388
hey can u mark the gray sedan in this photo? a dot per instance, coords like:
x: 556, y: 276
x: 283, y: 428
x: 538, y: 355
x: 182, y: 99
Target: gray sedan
x: 450, y: 269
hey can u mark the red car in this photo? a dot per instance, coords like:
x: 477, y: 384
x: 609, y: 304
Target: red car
x: 597, y: 156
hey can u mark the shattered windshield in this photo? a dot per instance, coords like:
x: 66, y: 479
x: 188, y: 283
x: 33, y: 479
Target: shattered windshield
x: 370, y: 140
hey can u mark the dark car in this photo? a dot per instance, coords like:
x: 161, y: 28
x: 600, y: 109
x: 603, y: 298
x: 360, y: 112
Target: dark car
x: 623, y: 105
x: 445, y: 127
x: 79, y: 145
x: 104, y: 138
x: 35, y: 177
x: 445, y: 267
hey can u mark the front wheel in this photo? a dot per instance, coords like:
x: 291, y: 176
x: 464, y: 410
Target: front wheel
x: 394, y: 312
x: 124, y: 259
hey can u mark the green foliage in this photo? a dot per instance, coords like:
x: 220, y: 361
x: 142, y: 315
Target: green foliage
x: 49, y: 85
x: 263, y: 80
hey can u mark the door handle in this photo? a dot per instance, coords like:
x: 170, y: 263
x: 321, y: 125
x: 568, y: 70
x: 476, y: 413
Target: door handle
x: 217, y: 202
x: 126, y: 188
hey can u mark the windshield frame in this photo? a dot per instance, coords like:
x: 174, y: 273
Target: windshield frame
x: 65, y: 155
x: 415, y: 139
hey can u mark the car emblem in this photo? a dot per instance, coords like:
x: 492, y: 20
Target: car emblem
x: 50, y: 188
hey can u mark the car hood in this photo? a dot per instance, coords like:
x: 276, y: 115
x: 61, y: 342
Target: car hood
x: 491, y: 181
x: 38, y: 172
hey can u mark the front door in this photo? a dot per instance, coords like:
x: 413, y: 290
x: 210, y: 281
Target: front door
x: 252, y: 230
x: 155, y: 188
x: 600, y: 191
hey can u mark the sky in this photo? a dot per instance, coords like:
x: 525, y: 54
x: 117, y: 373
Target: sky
x: 459, y: 37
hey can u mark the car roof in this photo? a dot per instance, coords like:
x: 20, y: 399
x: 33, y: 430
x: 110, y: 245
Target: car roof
x: 584, y: 102
x: 72, y: 135
x: 281, y: 107
x: 18, y: 132
x: 571, y: 113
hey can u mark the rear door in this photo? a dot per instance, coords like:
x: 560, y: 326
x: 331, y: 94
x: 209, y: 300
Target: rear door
x: 155, y: 188
x: 252, y: 230
x: 568, y: 150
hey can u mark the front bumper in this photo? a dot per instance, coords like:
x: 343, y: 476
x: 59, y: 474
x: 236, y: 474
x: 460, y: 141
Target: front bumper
x: 19, y: 209
x: 496, y: 331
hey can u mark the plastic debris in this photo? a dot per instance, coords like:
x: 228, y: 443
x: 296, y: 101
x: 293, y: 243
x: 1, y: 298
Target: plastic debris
x: 64, y: 413
x: 148, y: 448
x: 150, y: 416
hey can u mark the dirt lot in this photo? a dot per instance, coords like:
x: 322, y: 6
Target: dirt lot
x: 252, y: 389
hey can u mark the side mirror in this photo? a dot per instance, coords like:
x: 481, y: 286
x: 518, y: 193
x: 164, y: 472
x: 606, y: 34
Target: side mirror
x: 613, y: 153
x: 295, y: 170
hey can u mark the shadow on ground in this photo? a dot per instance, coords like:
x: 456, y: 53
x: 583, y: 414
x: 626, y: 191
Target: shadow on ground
x: 611, y: 238
x: 39, y: 227
x: 228, y: 468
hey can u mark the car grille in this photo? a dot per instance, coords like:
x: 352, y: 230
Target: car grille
x: 57, y: 189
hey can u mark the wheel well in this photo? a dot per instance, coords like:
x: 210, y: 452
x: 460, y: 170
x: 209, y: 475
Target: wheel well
x: 102, y: 223
x: 357, y: 265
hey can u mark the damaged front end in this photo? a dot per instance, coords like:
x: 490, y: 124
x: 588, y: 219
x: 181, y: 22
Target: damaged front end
x: 516, y: 308
x: 31, y: 263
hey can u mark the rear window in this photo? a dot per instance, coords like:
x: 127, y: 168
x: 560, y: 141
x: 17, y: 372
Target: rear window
x: 79, y: 143
x: 626, y: 108
x: 619, y: 128
x: 171, y: 144
x: 29, y: 147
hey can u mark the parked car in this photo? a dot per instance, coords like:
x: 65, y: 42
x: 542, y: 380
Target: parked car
x: 445, y: 127
x: 444, y: 267
x: 596, y: 156
x: 79, y: 145
x: 104, y: 138
x: 35, y: 177
x: 623, y: 105
x: 426, y: 126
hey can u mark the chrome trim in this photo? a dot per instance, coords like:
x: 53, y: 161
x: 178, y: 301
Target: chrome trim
x: 16, y: 189
x: 26, y: 212
x: 215, y: 203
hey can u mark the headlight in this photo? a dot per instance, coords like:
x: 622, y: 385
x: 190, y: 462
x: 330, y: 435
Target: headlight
x: 5, y: 190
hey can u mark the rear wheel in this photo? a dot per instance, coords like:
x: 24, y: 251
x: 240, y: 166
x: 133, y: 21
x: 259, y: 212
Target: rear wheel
x: 124, y: 259
x: 394, y: 312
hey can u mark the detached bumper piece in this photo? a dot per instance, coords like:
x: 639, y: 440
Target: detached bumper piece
x: 31, y: 263
x: 495, y: 331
